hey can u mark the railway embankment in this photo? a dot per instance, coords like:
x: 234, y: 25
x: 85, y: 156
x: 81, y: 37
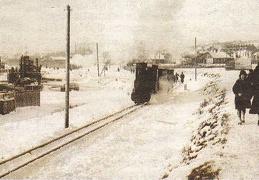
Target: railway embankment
x: 209, y: 136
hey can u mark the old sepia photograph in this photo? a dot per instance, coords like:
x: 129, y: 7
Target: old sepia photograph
x: 129, y: 89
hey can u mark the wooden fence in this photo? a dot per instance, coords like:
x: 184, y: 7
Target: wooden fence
x: 3, y: 70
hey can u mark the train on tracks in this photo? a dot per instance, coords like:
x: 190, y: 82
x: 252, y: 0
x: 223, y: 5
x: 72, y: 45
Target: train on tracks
x: 148, y: 79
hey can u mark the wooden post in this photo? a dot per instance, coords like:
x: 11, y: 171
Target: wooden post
x: 14, y: 94
x: 67, y: 68
x: 37, y: 63
x: 75, y: 48
x: 195, y: 61
x: 97, y: 59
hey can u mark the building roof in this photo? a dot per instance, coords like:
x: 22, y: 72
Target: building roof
x: 219, y: 55
x: 58, y: 58
x: 159, y: 56
x: 216, y: 54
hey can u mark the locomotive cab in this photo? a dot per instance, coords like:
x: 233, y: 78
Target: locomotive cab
x: 150, y: 79
x: 145, y: 83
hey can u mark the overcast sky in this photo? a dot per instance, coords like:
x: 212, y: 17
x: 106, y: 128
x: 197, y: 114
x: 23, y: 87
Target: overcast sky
x: 120, y: 25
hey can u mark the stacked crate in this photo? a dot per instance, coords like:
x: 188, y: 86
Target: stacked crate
x: 7, y: 102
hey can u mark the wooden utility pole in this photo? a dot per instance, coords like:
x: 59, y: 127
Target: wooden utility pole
x: 75, y: 48
x: 97, y: 59
x: 67, y: 68
x: 195, y: 60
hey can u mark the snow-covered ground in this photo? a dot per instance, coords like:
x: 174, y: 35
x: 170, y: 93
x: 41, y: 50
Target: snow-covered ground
x: 180, y: 134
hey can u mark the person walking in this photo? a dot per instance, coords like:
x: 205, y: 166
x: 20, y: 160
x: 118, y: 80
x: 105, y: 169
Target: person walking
x: 176, y: 77
x: 250, y: 77
x: 255, y: 102
x: 242, y: 93
x: 182, y: 77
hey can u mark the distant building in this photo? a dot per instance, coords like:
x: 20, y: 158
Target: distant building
x: 206, y: 57
x: 2, y: 64
x: 160, y: 58
x: 55, y: 62
x: 239, y: 50
x: 255, y: 58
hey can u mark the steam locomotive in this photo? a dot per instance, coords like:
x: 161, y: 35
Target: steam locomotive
x: 147, y: 81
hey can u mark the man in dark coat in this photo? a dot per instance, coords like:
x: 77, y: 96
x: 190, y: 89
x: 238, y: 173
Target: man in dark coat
x: 182, y: 77
x: 242, y: 93
x: 255, y: 103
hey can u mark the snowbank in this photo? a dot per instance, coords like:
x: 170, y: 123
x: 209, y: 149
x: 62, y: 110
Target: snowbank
x: 182, y: 133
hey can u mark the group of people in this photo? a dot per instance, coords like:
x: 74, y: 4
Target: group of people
x: 176, y: 77
x: 246, y: 89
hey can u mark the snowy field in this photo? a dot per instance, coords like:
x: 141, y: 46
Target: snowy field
x: 180, y: 133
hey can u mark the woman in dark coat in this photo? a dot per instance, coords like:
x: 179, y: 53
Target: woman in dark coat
x: 255, y: 103
x: 242, y: 93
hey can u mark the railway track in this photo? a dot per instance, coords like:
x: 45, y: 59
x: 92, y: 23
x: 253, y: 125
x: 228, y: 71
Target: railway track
x: 23, y: 159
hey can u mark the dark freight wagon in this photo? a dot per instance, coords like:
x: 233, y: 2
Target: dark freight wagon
x: 9, y: 101
x: 27, y: 98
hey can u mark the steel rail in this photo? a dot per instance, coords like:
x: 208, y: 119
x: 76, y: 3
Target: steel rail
x: 68, y: 142
x: 64, y: 135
